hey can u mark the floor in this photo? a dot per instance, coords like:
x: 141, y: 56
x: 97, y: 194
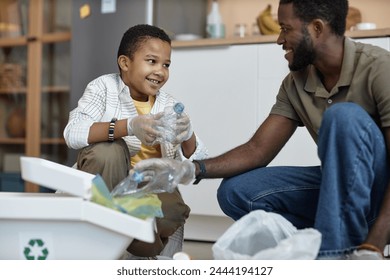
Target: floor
x: 198, y: 250
x: 201, y: 250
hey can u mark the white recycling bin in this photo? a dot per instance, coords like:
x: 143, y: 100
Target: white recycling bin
x: 64, y: 225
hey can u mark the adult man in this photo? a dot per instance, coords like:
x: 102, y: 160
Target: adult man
x: 339, y: 90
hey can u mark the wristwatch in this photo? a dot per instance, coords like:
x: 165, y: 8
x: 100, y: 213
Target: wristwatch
x: 202, y: 171
x: 111, y: 130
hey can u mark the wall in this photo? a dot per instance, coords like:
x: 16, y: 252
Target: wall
x: 246, y: 11
x: 181, y: 16
x: 95, y: 42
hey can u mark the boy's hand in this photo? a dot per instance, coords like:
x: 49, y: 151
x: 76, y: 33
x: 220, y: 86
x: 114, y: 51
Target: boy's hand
x: 180, y: 172
x: 144, y: 127
x: 184, y: 129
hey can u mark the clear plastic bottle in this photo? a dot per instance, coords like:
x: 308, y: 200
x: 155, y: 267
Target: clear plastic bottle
x: 136, y: 184
x: 168, y: 128
x: 215, y: 27
x: 128, y: 186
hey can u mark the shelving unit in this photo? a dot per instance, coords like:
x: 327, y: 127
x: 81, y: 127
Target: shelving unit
x: 34, y: 106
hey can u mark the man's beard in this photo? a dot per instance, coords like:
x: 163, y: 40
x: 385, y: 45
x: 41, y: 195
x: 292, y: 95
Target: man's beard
x: 304, y: 54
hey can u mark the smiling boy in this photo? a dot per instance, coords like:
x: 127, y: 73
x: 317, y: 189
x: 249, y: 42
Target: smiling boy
x: 115, y: 126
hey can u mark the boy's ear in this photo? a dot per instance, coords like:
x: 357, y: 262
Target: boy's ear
x: 123, y: 62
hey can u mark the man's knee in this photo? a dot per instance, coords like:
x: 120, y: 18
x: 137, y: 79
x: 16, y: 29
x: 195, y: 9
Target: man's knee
x: 229, y: 199
x: 224, y: 192
x: 343, y: 113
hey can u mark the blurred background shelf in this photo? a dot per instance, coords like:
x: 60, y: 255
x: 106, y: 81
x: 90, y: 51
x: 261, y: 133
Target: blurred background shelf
x: 35, y: 38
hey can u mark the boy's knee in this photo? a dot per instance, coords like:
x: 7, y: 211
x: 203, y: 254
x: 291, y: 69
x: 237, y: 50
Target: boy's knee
x: 175, y: 211
x: 110, y: 160
x: 104, y: 154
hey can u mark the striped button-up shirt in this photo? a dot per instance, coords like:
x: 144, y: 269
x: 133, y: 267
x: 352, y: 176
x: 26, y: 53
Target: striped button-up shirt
x: 107, y: 97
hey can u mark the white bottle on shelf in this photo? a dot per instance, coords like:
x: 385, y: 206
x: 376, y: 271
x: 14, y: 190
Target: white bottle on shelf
x: 215, y: 27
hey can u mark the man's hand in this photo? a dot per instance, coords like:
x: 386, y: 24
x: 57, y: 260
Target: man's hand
x: 165, y: 173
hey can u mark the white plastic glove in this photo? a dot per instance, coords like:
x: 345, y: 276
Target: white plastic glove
x: 184, y: 129
x: 145, y: 128
x: 175, y: 129
x: 165, y: 173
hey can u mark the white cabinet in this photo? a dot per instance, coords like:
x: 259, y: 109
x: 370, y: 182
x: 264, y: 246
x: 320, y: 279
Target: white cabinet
x: 219, y: 87
x: 273, y: 67
x: 380, y: 42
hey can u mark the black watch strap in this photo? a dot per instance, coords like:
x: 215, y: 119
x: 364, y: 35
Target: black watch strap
x: 202, y: 171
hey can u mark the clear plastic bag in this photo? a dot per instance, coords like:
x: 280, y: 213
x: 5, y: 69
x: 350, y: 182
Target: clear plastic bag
x: 262, y: 235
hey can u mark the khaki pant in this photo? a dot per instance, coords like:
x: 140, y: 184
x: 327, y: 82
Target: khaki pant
x: 112, y: 160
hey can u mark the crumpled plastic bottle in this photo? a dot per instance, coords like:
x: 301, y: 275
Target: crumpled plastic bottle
x: 168, y: 127
x: 129, y: 185
x: 128, y: 197
x: 136, y: 184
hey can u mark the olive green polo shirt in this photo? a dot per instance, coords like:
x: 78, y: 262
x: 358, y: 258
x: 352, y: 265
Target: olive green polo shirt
x: 364, y: 79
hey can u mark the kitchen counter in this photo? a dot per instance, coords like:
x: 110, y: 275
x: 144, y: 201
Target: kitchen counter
x: 261, y: 39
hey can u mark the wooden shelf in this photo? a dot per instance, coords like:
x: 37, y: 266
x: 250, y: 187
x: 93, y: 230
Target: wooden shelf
x: 50, y: 89
x: 12, y: 141
x: 53, y: 141
x: 46, y: 38
x: 56, y: 37
x: 56, y: 89
x: 22, y: 141
x: 264, y: 39
x: 13, y: 41
x: 13, y: 90
x: 46, y: 106
x: 246, y: 12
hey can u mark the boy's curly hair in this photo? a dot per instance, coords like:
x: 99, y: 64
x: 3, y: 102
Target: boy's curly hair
x: 136, y: 35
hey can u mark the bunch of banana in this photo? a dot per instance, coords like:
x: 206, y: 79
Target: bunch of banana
x: 266, y: 23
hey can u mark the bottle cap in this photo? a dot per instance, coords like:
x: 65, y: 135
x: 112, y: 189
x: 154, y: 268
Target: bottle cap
x: 137, y: 177
x: 178, y: 108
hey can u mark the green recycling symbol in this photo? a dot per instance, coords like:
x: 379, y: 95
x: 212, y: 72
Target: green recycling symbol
x: 35, y: 250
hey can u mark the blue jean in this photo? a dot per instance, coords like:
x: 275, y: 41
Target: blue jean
x: 341, y: 199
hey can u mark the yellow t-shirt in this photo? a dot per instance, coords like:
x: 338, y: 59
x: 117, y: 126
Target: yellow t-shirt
x: 144, y: 108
